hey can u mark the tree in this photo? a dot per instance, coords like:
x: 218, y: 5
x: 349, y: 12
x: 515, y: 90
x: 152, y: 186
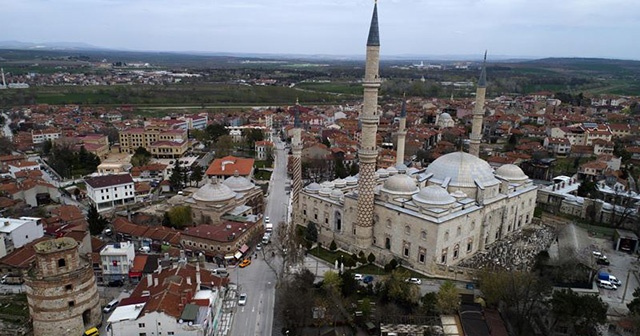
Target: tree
x: 362, y: 258
x: 429, y: 304
x: 634, y: 305
x: 97, y: 223
x: 166, y: 220
x: 582, y: 312
x: 311, y: 233
x: 296, y: 312
x: 448, y: 298
x: 354, y: 169
x: 396, y: 289
x: 339, y: 168
x: 333, y: 247
x: 176, y: 176
x: 141, y: 157
x: 349, y: 284
x: 224, y: 146
x: 371, y: 258
x: 283, y: 254
x: 215, y: 131
x: 46, y: 147
x: 587, y: 189
x: 180, y: 216
x: 197, y: 174
x: 6, y: 146
x: 332, y: 282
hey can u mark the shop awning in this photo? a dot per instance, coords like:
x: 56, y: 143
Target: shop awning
x: 238, y: 255
x: 229, y: 256
x: 244, y: 249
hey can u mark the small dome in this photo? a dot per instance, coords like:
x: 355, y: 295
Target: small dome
x: 401, y: 168
x: 336, y: 194
x: 213, y: 192
x: 459, y: 194
x: 461, y: 170
x: 327, y: 184
x: 238, y: 183
x: 511, y: 173
x: 382, y: 172
x: 433, y: 195
x: 340, y: 183
x: 324, y: 192
x: 607, y: 206
x: 400, y: 184
x: 392, y: 171
x: 412, y: 170
x: 351, y: 180
x: 312, y: 188
x: 445, y: 115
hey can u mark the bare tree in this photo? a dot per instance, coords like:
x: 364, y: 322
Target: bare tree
x: 284, y: 252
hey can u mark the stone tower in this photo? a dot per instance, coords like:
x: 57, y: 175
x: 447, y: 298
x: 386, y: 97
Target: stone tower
x: 402, y: 133
x: 61, y: 290
x: 296, y: 150
x: 478, y: 111
x: 368, y: 150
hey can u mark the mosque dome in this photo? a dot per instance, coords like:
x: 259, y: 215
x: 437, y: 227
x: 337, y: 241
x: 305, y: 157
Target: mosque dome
x: 462, y: 170
x: 340, y: 183
x: 401, y: 168
x: 400, y: 184
x: 392, y: 171
x: 351, y: 180
x: 312, y: 188
x: 412, y: 170
x: 238, y: 183
x: 382, y: 172
x: 511, y: 173
x: 445, y: 116
x: 214, y: 192
x: 433, y: 195
x: 327, y: 184
x: 459, y: 194
x: 324, y: 192
x: 336, y: 194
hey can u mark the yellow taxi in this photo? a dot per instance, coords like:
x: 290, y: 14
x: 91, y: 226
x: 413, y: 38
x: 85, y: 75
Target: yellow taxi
x: 245, y: 263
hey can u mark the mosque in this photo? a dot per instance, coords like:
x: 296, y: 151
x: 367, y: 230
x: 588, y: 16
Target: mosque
x: 429, y: 219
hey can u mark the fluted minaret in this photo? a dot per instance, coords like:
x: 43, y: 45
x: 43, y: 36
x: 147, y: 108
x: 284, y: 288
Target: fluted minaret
x: 402, y: 134
x: 368, y: 150
x: 296, y: 149
x: 478, y: 111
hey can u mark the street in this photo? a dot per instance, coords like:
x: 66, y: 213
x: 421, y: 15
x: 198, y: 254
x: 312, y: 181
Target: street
x: 258, y: 280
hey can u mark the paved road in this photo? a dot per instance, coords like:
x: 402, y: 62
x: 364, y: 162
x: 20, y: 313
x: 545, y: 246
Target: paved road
x: 258, y: 280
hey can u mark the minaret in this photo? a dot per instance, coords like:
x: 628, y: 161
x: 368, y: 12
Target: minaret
x: 296, y: 149
x: 402, y: 133
x: 368, y: 150
x: 4, y: 84
x: 478, y: 111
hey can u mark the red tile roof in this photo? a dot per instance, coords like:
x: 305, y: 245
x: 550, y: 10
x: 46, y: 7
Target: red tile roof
x: 108, y: 180
x: 228, y: 165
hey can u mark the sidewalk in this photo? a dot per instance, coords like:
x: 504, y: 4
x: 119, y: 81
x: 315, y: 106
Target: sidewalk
x: 228, y: 308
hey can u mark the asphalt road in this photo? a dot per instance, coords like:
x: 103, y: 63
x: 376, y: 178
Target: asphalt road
x: 258, y: 280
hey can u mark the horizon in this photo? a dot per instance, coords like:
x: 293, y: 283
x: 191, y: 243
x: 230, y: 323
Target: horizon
x: 333, y: 27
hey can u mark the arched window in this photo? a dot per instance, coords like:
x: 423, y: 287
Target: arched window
x: 387, y: 243
x: 62, y: 262
x: 423, y: 235
x: 458, y: 231
x: 446, y: 235
x: 407, y: 230
x: 388, y: 223
x: 338, y: 221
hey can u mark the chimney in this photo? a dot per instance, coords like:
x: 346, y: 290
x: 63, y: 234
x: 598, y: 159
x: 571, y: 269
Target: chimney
x: 198, y: 275
x: 149, y: 280
x: 188, y: 280
x: 155, y: 282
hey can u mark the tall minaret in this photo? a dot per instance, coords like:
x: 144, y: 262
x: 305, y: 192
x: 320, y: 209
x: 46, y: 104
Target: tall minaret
x: 478, y: 111
x: 402, y: 133
x: 296, y: 149
x: 368, y: 150
x: 4, y: 84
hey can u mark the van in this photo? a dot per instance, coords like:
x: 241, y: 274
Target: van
x: 92, y: 332
x: 266, y: 239
x: 606, y: 285
x: 221, y: 272
x: 110, y: 306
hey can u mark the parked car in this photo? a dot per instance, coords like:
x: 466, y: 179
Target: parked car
x: 603, y: 261
x: 367, y: 279
x: 245, y: 263
x: 110, y: 306
x: 414, y: 281
x: 606, y: 285
x: 615, y: 280
x: 259, y: 247
x: 597, y: 254
x: 358, y: 277
x: 242, y: 300
x: 116, y: 283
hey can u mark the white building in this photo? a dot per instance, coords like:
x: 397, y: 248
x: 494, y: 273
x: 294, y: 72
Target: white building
x: 116, y: 260
x: 22, y: 166
x: 15, y: 233
x: 110, y: 191
x: 182, y: 300
x: 44, y: 135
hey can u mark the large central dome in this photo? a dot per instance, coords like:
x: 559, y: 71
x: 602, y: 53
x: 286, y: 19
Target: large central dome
x: 213, y: 192
x: 462, y: 169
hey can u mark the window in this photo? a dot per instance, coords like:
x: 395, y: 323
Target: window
x: 421, y: 257
x: 455, y: 252
x: 315, y: 216
x: 71, y: 304
x: 473, y: 225
x: 443, y: 257
x: 140, y: 325
x: 406, y: 251
x: 423, y: 235
x: 446, y: 235
x: 387, y: 243
x: 68, y: 287
x: 469, y: 246
x: 170, y: 333
x: 388, y: 223
x: 62, y: 262
x: 142, y: 334
x: 338, y: 221
x: 326, y: 220
x: 407, y: 229
x: 458, y: 231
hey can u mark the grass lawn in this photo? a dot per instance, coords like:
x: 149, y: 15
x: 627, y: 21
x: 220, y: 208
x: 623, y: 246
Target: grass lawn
x: 262, y: 175
x: 14, y: 305
x: 326, y: 255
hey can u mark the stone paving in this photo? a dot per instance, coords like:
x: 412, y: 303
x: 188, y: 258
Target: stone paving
x: 228, y: 310
x: 514, y: 252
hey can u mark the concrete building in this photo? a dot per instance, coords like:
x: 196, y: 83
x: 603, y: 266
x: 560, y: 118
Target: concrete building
x: 40, y: 136
x: 61, y: 290
x: 110, y: 191
x: 117, y: 260
x: 429, y: 219
x: 160, y: 140
x: 181, y: 300
x: 15, y: 233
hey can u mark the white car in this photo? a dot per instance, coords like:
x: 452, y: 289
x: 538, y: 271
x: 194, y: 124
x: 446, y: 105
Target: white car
x: 597, y: 254
x: 266, y: 219
x: 414, y: 281
x: 615, y: 281
x: 358, y: 277
x: 242, y: 300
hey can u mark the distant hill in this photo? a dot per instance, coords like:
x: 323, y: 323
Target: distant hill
x: 597, y: 65
x: 48, y: 45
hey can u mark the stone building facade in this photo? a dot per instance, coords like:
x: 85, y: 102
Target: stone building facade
x: 61, y: 290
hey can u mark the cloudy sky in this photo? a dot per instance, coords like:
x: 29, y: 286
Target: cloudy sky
x: 537, y: 28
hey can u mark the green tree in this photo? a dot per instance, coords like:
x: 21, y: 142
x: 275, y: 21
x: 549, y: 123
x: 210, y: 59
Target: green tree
x: 311, y: 233
x: 197, y: 174
x: 180, y: 216
x: 332, y: 282
x: 166, y: 220
x: 141, y: 157
x: 349, y: 284
x: 362, y: 258
x: 97, y: 223
x: 634, y: 305
x: 587, y: 189
x: 582, y: 312
x: 46, y: 147
x: 354, y: 169
x: 333, y: 247
x: 396, y: 289
x: 429, y: 304
x: 176, y: 178
x: 224, y: 146
x: 6, y: 146
x: 339, y: 168
x: 448, y: 298
x: 214, y: 131
x: 326, y: 142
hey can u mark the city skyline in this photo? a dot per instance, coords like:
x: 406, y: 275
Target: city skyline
x: 573, y: 28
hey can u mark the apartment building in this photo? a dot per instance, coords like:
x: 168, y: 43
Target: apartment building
x: 159, y: 139
x: 110, y: 191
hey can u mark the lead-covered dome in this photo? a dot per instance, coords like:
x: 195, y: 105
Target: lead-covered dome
x: 213, y: 192
x: 433, y: 195
x: 462, y: 169
x: 312, y: 188
x: 238, y: 183
x: 400, y: 184
x: 511, y: 173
